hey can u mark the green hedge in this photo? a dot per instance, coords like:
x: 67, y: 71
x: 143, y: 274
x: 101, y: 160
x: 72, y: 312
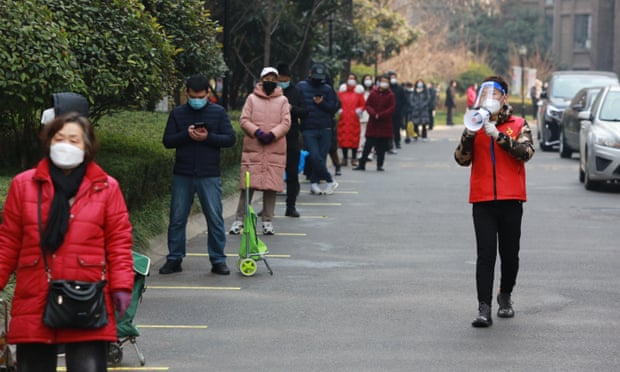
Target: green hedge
x: 132, y: 152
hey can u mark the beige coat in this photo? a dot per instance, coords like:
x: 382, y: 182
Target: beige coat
x: 266, y: 163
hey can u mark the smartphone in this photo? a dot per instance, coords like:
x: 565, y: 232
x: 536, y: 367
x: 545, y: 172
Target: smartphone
x: 199, y: 125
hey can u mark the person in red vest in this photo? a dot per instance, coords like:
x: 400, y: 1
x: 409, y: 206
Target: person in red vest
x: 497, y: 154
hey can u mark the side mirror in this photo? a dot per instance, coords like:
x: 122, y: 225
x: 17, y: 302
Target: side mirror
x: 584, y: 115
x: 577, y: 107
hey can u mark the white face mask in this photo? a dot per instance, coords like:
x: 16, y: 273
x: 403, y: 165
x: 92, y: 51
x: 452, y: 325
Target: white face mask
x: 368, y: 83
x: 393, y: 81
x: 492, y: 105
x: 66, y: 156
x: 384, y: 85
x: 352, y: 82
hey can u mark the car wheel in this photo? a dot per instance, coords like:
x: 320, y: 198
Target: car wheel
x: 541, y: 140
x: 565, y: 151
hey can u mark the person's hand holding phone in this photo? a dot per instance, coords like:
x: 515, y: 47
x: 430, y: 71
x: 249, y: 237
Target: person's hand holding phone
x: 198, y: 131
x: 317, y: 99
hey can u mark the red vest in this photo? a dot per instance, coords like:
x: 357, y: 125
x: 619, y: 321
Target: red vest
x: 495, y: 174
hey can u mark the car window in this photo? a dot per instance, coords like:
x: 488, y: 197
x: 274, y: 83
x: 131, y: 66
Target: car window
x: 566, y: 86
x: 591, y: 97
x: 610, y: 109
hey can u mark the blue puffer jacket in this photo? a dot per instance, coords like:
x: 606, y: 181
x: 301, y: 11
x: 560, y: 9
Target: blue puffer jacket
x: 319, y: 116
x: 198, y: 159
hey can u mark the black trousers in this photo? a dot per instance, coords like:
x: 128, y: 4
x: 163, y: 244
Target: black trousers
x: 381, y: 145
x: 292, y: 174
x: 91, y: 356
x: 497, y: 222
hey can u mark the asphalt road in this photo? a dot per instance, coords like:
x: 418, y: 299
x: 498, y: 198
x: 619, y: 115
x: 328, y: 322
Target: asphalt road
x: 380, y: 277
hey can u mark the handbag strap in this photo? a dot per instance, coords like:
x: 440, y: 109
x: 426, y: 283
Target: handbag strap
x: 40, y: 222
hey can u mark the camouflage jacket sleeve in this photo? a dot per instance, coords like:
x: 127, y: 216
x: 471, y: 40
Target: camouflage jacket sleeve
x: 464, y: 151
x: 522, y: 147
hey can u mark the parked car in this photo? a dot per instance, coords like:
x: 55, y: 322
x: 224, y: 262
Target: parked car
x: 599, y: 140
x: 570, y: 125
x: 563, y: 85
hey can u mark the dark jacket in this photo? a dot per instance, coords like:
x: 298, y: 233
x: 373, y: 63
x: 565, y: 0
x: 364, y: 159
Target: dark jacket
x: 319, y: 116
x: 420, y: 107
x: 198, y: 159
x: 401, y: 104
x: 380, y: 103
x: 299, y: 110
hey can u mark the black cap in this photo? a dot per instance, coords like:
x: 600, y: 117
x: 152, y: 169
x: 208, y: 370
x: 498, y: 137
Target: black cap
x: 318, y: 71
x: 283, y: 69
x: 65, y: 102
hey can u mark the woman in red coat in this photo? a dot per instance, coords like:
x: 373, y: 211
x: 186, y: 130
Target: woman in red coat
x: 86, y: 236
x: 352, y: 105
x: 380, y: 106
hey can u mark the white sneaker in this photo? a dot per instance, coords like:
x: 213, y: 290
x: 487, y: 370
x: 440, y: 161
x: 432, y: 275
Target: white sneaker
x: 236, y: 227
x: 268, y: 228
x: 315, y: 189
x: 331, y: 186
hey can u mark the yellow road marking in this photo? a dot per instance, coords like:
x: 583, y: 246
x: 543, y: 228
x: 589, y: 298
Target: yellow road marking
x: 317, y: 204
x: 237, y: 255
x: 193, y: 287
x: 172, y: 326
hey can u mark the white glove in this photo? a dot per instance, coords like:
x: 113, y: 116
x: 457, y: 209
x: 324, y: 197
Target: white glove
x: 491, y: 129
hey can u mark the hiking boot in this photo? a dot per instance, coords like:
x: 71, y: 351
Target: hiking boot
x: 268, y: 228
x: 505, y: 306
x: 236, y: 227
x: 171, y: 266
x: 483, y: 319
x: 331, y: 186
x: 315, y: 189
x: 220, y: 269
x: 291, y: 212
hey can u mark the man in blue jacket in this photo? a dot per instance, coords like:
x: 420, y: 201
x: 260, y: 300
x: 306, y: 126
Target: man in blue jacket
x: 316, y: 128
x: 197, y: 130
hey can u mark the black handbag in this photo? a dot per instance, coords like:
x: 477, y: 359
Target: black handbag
x: 75, y: 304
x: 71, y: 303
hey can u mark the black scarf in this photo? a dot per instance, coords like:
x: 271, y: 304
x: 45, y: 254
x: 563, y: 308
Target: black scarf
x: 65, y: 187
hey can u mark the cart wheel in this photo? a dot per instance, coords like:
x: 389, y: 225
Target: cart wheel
x: 115, y: 354
x: 247, y: 266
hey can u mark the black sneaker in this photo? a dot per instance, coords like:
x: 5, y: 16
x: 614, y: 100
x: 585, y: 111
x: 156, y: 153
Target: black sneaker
x: 170, y: 267
x: 220, y: 269
x: 483, y: 319
x: 359, y: 168
x: 505, y: 306
x: 291, y: 212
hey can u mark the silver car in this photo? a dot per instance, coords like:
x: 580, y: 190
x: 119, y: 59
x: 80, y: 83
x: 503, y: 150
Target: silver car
x: 599, y: 140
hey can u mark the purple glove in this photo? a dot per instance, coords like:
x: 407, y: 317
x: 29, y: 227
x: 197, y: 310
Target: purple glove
x: 264, y: 138
x: 122, y: 300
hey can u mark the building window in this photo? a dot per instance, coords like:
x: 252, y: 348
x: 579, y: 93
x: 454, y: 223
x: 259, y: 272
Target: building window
x: 583, y: 31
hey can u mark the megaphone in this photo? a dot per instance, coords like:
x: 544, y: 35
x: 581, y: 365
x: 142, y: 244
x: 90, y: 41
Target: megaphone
x: 475, y: 119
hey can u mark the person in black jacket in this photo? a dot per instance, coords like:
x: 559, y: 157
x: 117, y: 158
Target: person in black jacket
x: 398, y: 117
x: 197, y: 131
x: 298, y: 111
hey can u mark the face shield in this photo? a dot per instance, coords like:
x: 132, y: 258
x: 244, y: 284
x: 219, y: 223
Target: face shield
x: 490, y: 97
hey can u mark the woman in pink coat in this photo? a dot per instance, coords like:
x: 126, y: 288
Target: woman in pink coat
x: 352, y: 104
x: 265, y: 120
x: 85, y: 235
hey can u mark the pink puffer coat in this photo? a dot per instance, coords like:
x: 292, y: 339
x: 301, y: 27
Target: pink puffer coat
x: 266, y: 163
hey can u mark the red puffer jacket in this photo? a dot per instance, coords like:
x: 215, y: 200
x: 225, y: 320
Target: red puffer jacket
x: 99, y: 240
